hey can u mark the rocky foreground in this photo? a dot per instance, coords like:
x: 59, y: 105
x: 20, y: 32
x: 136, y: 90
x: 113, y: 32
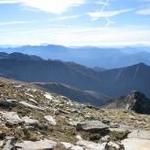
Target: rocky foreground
x: 32, y: 119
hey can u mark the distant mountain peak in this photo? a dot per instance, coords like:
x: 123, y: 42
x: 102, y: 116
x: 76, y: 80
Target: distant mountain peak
x: 141, y: 64
x: 18, y: 56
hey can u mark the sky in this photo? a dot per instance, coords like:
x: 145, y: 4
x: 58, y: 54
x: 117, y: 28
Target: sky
x: 109, y: 23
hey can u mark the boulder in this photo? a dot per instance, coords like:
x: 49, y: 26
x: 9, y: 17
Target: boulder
x: 92, y: 126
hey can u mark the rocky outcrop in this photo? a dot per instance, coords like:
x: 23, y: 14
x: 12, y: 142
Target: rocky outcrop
x: 31, y: 118
x: 135, y: 101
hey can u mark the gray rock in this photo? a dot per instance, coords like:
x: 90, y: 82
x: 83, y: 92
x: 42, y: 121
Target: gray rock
x: 9, y: 103
x: 92, y: 126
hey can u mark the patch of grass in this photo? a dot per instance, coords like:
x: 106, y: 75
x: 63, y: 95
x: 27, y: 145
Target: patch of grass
x: 118, y: 136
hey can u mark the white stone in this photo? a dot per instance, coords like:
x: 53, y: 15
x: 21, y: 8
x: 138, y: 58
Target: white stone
x: 30, y: 95
x: 33, y: 101
x: 30, y: 105
x: 38, y: 145
x: 29, y: 121
x: 113, y: 145
x: 78, y: 137
x: 50, y: 119
x: 11, y: 117
x: 11, y: 100
x: 1, y: 143
x: 48, y: 96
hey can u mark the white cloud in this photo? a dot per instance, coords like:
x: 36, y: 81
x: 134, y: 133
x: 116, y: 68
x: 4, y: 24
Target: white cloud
x: 68, y: 17
x: 8, y: 1
x: 107, y: 14
x: 12, y: 23
x: 50, y: 6
x: 145, y: 11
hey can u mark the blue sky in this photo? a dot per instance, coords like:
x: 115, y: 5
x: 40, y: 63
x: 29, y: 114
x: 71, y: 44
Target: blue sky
x: 75, y: 22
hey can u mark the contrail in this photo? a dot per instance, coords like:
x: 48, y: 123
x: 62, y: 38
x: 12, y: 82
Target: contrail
x: 104, y: 5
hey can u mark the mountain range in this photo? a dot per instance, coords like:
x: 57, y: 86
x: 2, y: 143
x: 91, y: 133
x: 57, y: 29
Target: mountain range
x: 107, y: 58
x: 74, y: 80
